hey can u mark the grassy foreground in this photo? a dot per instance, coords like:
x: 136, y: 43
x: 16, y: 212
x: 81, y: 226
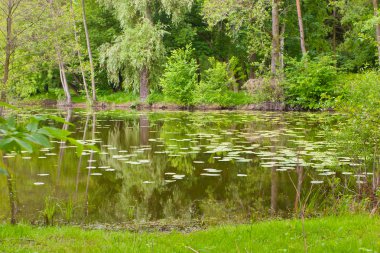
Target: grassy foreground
x: 332, y: 234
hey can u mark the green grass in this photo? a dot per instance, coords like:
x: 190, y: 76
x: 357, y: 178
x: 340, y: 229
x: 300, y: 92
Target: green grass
x: 117, y: 97
x: 358, y: 233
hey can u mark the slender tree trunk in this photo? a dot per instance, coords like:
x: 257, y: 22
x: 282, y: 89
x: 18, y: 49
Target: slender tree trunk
x: 8, y: 49
x: 79, y: 53
x: 297, y: 201
x: 282, y: 46
x: 252, y: 74
x: 300, y: 24
x: 376, y: 13
x: 275, y: 63
x: 12, y: 200
x: 89, y: 52
x: 144, y: 79
x: 334, y: 31
x: 62, y: 71
x: 274, y: 191
x: 61, y: 64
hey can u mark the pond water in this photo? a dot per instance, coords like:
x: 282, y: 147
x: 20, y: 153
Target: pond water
x: 189, y: 167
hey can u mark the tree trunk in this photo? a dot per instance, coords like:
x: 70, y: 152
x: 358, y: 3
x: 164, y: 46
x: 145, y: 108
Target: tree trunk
x: 89, y: 52
x: 8, y: 50
x: 334, y: 31
x: 376, y: 13
x: 252, y: 74
x: 12, y: 200
x: 282, y: 46
x: 275, y: 63
x: 61, y: 64
x: 144, y: 79
x: 65, y: 86
x: 79, y: 53
x: 274, y: 191
x: 300, y: 24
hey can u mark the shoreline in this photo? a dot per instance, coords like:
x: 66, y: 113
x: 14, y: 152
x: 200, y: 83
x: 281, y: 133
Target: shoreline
x: 265, y: 106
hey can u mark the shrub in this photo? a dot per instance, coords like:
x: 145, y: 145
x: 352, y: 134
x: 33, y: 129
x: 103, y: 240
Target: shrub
x: 264, y: 89
x: 213, y: 88
x: 179, y: 80
x: 310, y: 83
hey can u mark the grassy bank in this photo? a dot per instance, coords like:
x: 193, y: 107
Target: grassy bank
x: 332, y: 234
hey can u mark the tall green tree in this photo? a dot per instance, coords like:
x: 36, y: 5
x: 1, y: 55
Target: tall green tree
x: 139, y: 51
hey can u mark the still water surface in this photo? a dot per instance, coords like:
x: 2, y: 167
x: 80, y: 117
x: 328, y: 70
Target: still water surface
x: 212, y: 167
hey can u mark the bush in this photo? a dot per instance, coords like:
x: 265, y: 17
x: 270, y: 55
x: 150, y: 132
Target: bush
x: 179, y: 80
x: 264, y: 89
x: 310, y: 83
x: 213, y: 88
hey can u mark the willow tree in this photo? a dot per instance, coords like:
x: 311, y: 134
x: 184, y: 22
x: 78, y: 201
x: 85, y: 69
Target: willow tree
x: 134, y: 57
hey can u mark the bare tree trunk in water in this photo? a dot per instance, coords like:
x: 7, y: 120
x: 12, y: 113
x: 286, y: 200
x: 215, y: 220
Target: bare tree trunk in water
x: 144, y: 130
x: 274, y: 191
x: 144, y: 79
x: 11, y: 193
x: 79, y: 53
x: 376, y: 13
x: 299, y: 188
x: 86, y: 211
x: 275, y: 62
x: 300, y: 24
x: 12, y: 199
x: 89, y: 52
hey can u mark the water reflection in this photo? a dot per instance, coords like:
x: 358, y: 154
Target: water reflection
x: 211, y: 167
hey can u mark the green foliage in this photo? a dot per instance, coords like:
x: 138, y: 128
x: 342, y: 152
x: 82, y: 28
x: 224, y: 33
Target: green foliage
x: 117, y: 97
x: 359, y: 134
x: 310, y: 82
x: 213, y: 88
x: 264, y: 89
x: 180, y: 77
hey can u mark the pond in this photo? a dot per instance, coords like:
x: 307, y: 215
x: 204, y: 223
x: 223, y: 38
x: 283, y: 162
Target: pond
x: 182, y: 168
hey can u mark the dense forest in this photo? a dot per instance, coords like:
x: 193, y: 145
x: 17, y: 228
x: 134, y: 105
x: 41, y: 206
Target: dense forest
x: 188, y: 52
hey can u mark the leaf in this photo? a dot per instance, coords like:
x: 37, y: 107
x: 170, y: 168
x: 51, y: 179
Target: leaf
x: 3, y: 172
x: 59, y: 119
x: 38, y: 139
x: 54, y: 132
x: 24, y: 145
x: 3, y: 104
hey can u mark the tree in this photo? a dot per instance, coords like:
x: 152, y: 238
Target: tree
x: 376, y: 14
x: 55, y: 13
x: 139, y: 51
x: 17, y: 18
x: 247, y: 23
x: 89, y: 52
x: 300, y: 24
x: 275, y: 62
x: 78, y: 51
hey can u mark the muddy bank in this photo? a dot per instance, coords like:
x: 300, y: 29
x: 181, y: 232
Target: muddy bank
x: 267, y: 106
